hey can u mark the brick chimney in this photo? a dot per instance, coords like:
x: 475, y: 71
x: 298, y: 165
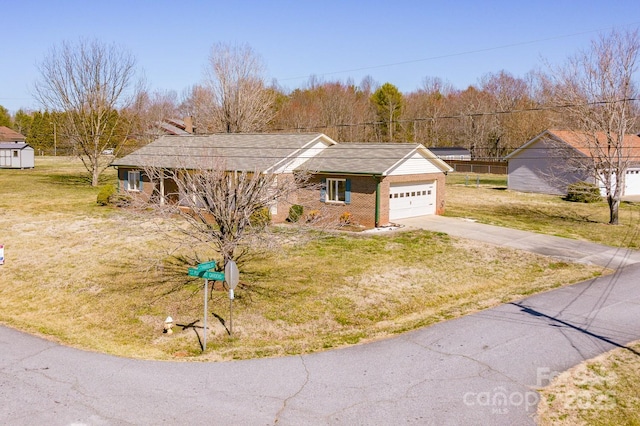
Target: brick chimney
x: 188, y: 125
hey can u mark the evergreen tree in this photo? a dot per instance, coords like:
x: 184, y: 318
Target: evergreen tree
x: 388, y: 103
x: 22, y: 122
x: 41, y: 135
x: 5, y: 117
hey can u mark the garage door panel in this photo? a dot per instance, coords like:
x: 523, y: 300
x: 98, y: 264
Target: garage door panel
x: 412, y: 199
x: 632, y: 182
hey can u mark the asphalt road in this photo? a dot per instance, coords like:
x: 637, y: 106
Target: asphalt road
x: 479, y: 369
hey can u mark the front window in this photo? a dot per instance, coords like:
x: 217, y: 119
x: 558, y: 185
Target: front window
x: 133, y: 181
x: 336, y: 190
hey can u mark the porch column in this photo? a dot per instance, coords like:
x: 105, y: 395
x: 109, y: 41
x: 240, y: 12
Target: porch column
x: 162, y: 188
x: 378, y: 189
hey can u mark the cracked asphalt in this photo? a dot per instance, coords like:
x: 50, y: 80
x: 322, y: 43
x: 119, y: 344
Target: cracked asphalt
x: 479, y: 369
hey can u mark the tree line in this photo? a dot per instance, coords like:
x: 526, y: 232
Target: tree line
x: 109, y: 106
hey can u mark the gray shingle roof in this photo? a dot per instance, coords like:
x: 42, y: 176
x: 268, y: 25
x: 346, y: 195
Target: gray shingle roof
x: 442, y: 151
x: 13, y: 145
x: 361, y: 158
x: 233, y: 151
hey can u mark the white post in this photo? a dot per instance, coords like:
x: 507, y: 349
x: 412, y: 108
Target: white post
x: 204, y: 335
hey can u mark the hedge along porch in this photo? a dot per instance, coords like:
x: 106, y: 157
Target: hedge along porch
x: 375, y: 183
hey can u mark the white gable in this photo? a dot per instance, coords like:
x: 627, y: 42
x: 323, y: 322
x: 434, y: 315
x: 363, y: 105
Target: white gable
x: 302, y: 156
x: 413, y: 165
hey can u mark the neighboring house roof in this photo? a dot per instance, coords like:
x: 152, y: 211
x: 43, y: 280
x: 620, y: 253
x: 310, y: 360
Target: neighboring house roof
x: 13, y: 145
x: 368, y: 158
x: 577, y: 140
x: 236, y: 151
x: 172, y: 129
x: 444, y: 151
x: 10, y: 135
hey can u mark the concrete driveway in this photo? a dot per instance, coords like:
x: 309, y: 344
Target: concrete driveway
x: 479, y: 369
x: 547, y: 245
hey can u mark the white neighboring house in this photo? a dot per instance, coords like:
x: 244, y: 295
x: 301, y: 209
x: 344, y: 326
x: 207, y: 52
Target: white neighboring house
x: 541, y: 164
x: 15, y: 153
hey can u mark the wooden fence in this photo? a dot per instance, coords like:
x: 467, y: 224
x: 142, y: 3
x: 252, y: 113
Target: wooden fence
x: 482, y: 167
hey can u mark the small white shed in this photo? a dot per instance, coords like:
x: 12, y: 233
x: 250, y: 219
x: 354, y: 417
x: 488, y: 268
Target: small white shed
x: 15, y: 153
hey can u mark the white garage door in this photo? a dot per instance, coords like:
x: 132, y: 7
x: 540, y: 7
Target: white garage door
x: 632, y: 182
x: 412, y: 199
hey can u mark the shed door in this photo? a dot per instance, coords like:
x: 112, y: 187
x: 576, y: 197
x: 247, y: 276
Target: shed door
x: 412, y: 199
x: 632, y: 182
x: 5, y: 157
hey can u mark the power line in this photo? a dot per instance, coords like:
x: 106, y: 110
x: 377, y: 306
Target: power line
x: 458, y: 116
x: 451, y: 55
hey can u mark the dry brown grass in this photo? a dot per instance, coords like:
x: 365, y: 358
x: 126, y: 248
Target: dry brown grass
x: 491, y: 203
x: 104, y: 279
x: 601, y: 391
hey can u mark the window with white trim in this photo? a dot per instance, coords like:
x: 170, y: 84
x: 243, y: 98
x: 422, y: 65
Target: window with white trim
x: 133, y: 180
x: 336, y: 190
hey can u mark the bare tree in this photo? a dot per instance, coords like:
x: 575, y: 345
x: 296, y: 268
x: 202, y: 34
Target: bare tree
x: 225, y: 209
x: 337, y: 109
x: 241, y: 100
x: 92, y: 83
x: 151, y: 111
x: 511, y: 125
x: 198, y: 102
x: 424, y: 109
x: 597, y: 90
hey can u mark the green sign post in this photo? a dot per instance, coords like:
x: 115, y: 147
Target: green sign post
x: 207, y: 275
x: 203, y: 271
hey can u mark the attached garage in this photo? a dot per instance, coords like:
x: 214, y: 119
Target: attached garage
x: 412, y: 199
x: 383, y: 181
x: 632, y: 182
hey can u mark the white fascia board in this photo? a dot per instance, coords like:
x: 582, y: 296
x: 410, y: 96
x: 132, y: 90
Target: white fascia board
x: 531, y: 142
x: 301, y: 155
x: 438, y: 162
x: 426, y: 154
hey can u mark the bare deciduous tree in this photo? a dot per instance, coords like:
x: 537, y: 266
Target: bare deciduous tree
x: 424, y: 109
x: 241, y: 100
x: 597, y: 90
x: 92, y: 83
x: 224, y: 210
x: 151, y: 111
x: 198, y: 103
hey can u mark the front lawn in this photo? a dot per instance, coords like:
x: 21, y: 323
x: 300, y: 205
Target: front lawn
x: 105, y: 279
x: 486, y: 199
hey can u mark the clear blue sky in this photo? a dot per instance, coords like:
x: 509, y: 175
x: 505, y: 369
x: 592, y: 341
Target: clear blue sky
x: 399, y: 41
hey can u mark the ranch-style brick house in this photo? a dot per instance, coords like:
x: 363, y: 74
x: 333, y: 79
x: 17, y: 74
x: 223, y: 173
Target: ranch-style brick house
x: 375, y: 183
